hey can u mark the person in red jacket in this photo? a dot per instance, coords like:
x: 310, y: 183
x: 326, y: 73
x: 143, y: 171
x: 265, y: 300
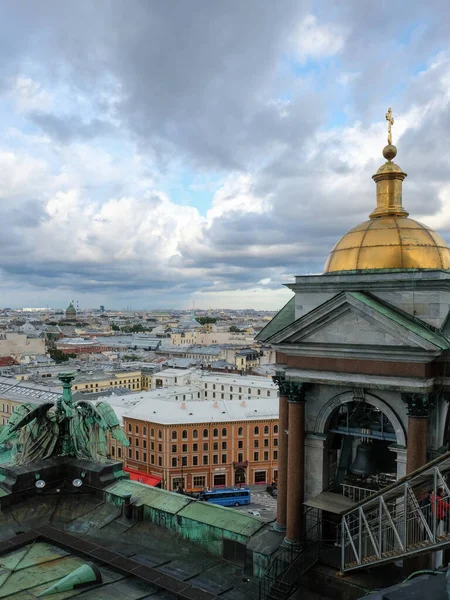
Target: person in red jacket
x: 441, y: 507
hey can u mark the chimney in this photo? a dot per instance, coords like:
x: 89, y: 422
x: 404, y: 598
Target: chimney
x: 243, y: 403
x: 183, y: 405
x: 216, y: 404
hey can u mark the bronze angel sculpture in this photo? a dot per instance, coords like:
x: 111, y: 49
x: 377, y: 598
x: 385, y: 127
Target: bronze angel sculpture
x: 66, y: 428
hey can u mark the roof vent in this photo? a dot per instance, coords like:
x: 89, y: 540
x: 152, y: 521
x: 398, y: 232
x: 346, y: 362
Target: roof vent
x: 243, y: 403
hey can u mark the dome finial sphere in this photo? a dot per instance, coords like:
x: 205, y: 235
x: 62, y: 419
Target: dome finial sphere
x: 389, y: 152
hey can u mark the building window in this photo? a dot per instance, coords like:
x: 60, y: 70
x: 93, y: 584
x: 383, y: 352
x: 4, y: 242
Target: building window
x: 174, y: 448
x: 184, y: 448
x: 240, y: 457
x: 205, y: 459
x: 129, y: 424
x: 215, y: 445
x: 222, y: 396
x: 194, y: 447
x: 119, y: 452
x: 240, y: 444
x: 256, y: 456
x: 275, y: 441
x: 224, y: 459
x: 215, y: 433
x: 160, y: 434
x: 275, y: 428
x: 214, y: 394
x: 152, y: 445
x: 259, y: 392
x: 205, y: 433
x: 194, y: 461
x: 129, y: 453
x: 214, y: 386
x: 256, y: 443
x: 224, y: 432
x: 152, y: 459
x: 144, y: 457
x: 144, y: 430
x: 231, y: 388
x: 184, y: 435
x: 195, y: 434
x: 113, y: 451
x: 260, y: 477
x: 241, y: 431
x: 275, y: 455
x: 266, y: 455
x: 205, y: 447
x: 199, y: 481
x: 144, y: 443
x: 178, y: 482
x: 137, y: 455
x: 215, y: 459
x: 268, y: 392
x: 152, y: 432
x: 224, y: 445
x: 266, y: 430
x: 256, y: 430
x: 249, y: 391
x: 231, y: 396
x: 240, y: 390
x: 137, y: 429
x: 136, y: 442
x: 174, y: 435
x: 159, y: 447
x: 219, y: 480
x: 159, y: 461
x: 266, y: 443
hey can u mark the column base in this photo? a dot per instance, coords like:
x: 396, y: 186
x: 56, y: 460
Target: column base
x: 280, y: 528
x: 292, y: 544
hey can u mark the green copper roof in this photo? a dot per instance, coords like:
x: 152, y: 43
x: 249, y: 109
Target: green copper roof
x: 150, y: 496
x: 223, y: 518
x: 402, y: 319
x: 282, y: 319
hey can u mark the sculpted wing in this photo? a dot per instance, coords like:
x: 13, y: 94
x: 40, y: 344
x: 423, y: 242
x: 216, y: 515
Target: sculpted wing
x: 109, y: 417
x: 24, y: 414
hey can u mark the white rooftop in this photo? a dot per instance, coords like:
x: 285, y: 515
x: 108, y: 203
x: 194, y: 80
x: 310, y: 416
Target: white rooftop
x: 169, y: 413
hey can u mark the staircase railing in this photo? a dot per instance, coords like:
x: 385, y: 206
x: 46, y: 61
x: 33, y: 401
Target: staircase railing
x: 394, y: 524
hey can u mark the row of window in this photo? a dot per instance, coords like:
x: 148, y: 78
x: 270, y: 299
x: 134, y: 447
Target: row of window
x: 215, y: 445
x: 218, y: 480
x: 249, y: 390
x: 183, y: 460
x: 215, y: 433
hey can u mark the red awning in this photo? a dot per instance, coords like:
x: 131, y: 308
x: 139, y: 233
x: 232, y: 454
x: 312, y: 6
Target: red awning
x: 143, y: 477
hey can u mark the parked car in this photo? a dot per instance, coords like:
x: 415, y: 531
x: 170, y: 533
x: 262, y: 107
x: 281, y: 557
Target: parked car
x: 255, y: 513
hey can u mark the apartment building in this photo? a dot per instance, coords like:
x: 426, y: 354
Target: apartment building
x: 200, y: 444
x: 97, y: 382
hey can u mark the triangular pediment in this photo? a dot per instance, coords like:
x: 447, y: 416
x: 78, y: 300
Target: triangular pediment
x: 355, y: 319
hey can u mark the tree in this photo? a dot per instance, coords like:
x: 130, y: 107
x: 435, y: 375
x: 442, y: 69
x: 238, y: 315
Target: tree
x: 205, y: 320
x: 234, y: 329
x: 115, y: 327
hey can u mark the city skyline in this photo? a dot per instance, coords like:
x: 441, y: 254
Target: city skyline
x: 159, y: 154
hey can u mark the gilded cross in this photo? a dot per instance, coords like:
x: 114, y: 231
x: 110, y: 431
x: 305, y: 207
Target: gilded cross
x: 390, y: 120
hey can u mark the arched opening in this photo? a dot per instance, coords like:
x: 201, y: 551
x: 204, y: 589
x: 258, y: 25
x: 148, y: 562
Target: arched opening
x: 239, y: 476
x: 359, y: 458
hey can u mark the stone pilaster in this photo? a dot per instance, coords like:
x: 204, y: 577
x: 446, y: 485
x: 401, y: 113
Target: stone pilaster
x: 283, y: 426
x: 419, y: 407
x: 296, y: 465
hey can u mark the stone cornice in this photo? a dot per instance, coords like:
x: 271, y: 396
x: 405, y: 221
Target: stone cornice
x: 385, y: 353
x: 374, y: 280
x: 418, y: 405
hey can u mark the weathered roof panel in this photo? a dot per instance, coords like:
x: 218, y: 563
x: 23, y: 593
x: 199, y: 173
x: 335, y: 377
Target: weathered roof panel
x: 282, y: 319
x: 222, y: 517
x: 156, y: 498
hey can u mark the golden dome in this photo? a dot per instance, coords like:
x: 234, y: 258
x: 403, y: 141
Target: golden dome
x: 389, y: 243
x: 389, y: 240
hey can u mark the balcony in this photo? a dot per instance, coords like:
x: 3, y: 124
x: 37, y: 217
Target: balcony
x: 240, y: 465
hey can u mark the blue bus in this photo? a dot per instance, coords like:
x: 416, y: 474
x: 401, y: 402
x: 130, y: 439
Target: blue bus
x: 226, y: 496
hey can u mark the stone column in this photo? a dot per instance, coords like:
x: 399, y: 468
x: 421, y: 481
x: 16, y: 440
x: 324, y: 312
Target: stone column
x: 419, y: 407
x: 280, y: 524
x: 296, y: 465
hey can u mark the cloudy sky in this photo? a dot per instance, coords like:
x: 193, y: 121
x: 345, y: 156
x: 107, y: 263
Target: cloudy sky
x: 156, y: 154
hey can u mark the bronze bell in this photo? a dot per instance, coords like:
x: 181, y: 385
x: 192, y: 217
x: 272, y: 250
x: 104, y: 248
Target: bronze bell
x: 363, y: 464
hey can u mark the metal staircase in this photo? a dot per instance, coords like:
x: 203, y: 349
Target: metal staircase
x: 391, y: 525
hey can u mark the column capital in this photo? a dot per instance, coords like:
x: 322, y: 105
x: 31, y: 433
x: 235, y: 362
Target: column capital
x: 418, y: 405
x: 283, y: 385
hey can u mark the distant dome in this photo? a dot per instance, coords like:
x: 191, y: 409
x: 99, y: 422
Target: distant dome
x: 71, y: 311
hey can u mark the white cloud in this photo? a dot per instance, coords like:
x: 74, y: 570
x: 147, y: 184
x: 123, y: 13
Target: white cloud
x: 314, y: 40
x: 30, y: 96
